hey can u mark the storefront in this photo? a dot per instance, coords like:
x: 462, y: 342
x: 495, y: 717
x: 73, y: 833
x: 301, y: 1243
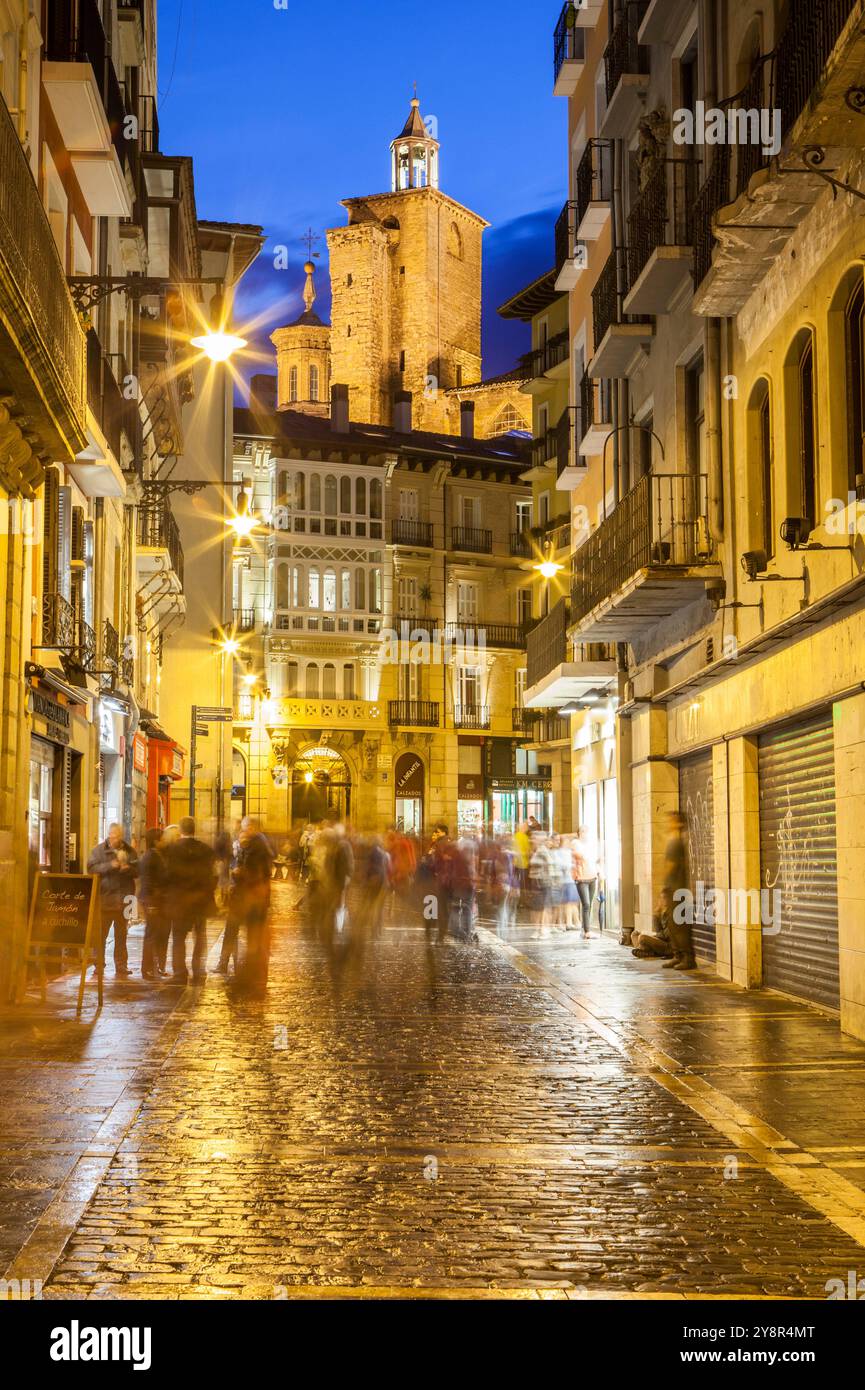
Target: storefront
x: 515, y: 801
x: 799, y: 859
x: 697, y: 804
x: 409, y: 785
x: 470, y: 803
x: 60, y: 733
x: 166, y: 763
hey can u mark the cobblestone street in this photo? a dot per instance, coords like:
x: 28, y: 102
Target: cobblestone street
x: 536, y: 1116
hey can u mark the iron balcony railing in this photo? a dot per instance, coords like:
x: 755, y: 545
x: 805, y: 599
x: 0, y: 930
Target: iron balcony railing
x: 566, y: 235
x: 569, y: 41
x: 566, y: 440
x: 551, y: 728
x: 76, y: 34
x: 33, y: 288
x: 84, y: 653
x: 596, y: 404
x: 548, y: 644
x: 623, y: 54
x: 471, y: 717
x: 471, y: 538
x: 507, y: 635
x: 244, y: 619
x: 662, y: 522
x: 406, y: 624
x: 663, y: 214
x: 551, y: 354
x: 606, y: 309
x: 127, y: 671
x: 412, y: 533
x: 545, y: 448
x: 594, y: 177
x: 106, y: 399
x: 781, y: 81
x: 158, y: 530
x: 110, y: 646
x: 419, y: 714
x: 58, y: 623
x: 521, y: 546
x: 524, y: 719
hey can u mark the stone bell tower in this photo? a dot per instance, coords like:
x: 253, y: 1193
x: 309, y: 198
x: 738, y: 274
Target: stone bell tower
x: 406, y: 287
x: 303, y: 357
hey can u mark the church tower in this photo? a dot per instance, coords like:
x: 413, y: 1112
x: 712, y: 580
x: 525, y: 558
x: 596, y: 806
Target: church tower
x: 303, y: 357
x: 406, y: 288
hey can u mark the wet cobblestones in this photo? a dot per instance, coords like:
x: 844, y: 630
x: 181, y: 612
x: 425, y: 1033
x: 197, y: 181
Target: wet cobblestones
x: 443, y: 1125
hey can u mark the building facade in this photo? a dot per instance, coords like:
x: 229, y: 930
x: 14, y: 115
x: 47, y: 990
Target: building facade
x: 726, y: 345
x: 388, y: 602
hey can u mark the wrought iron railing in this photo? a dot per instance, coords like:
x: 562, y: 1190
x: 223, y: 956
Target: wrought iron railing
x: 551, y: 728
x: 509, y: 635
x: 76, y: 34
x: 105, y: 396
x: 84, y: 653
x: 663, y: 214
x: 30, y: 263
x: 623, y: 54
x: 420, y: 714
x: 542, y: 359
x: 566, y: 440
x: 566, y: 235
x: 569, y: 41
x: 524, y: 719
x: 545, y: 448
x: 605, y: 302
x: 782, y: 80
x: 58, y: 623
x: 548, y: 644
x: 244, y: 619
x: 110, y: 658
x: 411, y: 533
x: 471, y: 717
x: 158, y: 530
x: 472, y: 538
x: 594, y: 177
x: 127, y: 671
x: 662, y: 522
x: 520, y: 545
x: 596, y: 404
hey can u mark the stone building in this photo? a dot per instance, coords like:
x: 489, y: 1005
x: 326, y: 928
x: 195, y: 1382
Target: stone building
x: 724, y: 343
x: 405, y: 277
x: 381, y: 667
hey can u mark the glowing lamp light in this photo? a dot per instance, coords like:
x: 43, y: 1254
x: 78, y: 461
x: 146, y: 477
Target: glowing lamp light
x: 230, y: 646
x: 250, y: 680
x: 548, y: 569
x: 307, y: 777
x: 218, y: 346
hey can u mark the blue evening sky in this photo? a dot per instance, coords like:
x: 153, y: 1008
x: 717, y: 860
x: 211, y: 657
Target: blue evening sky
x: 288, y: 106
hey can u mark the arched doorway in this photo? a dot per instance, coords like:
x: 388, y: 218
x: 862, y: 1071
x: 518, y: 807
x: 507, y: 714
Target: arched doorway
x: 320, y: 783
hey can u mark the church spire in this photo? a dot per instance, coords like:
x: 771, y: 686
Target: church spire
x: 415, y: 153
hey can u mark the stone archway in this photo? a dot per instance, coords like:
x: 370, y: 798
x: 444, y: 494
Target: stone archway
x: 321, y: 783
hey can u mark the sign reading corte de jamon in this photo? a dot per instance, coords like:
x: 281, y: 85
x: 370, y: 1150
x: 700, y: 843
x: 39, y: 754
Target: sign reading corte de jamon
x: 62, y: 908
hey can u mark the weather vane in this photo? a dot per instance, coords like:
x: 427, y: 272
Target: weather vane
x: 312, y: 239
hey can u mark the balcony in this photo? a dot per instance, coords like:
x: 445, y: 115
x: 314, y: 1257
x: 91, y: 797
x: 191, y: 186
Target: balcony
x: 42, y: 343
x: 413, y: 714
x: 109, y: 656
x: 571, y: 255
x: 326, y: 624
x: 65, y: 632
x: 594, y: 188
x: 661, y: 238
x: 626, y: 66
x: 553, y: 679
x: 505, y: 636
x: 544, y: 450
x: 521, y: 546
x: 159, y: 548
x: 569, y: 52
x: 472, y: 539
x: 130, y: 22
x: 752, y: 201
x: 596, y: 415
x: 99, y: 468
x: 412, y: 533
x: 550, y: 728
x: 243, y: 619
x: 546, y: 362
x: 471, y: 717
x: 570, y: 472
x: 647, y: 561
x: 85, y: 96
x: 620, y: 339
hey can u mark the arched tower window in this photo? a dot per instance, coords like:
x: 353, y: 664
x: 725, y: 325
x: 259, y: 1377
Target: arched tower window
x: 313, y: 382
x: 292, y: 384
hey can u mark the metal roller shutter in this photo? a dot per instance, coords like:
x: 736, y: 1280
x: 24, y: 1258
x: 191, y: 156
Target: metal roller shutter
x: 798, y: 858
x: 697, y: 802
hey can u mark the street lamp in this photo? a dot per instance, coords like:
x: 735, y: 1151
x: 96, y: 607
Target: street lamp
x: 243, y: 523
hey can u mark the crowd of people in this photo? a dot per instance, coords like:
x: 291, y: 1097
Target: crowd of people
x: 177, y: 884
x: 349, y: 883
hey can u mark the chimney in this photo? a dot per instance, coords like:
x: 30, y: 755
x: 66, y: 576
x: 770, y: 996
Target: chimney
x: 339, y: 409
x: 467, y: 419
x: 402, y: 412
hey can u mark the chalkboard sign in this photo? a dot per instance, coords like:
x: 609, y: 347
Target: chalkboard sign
x: 62, y: 910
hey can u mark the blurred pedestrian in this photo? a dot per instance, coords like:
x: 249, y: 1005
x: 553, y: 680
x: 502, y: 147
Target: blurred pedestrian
x: 152, y: 899
x: 115, y: 862
x: 253, y: 876
x: 585, y: 875
x: 191, y: 880
x: 677, y: 880
x: 456, y: 889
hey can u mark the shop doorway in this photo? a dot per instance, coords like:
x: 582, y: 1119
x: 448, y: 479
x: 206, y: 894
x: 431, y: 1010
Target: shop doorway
x: 409, y: 785
x: 320, y: 785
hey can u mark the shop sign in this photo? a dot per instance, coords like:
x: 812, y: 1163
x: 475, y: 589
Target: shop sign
x: 139, y: 754
x: 471, y: 787
x: 177, y: 764
x: 521, y: 784
x: 409, y: 776
x: 110, y: 736
x: 56, y: 716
